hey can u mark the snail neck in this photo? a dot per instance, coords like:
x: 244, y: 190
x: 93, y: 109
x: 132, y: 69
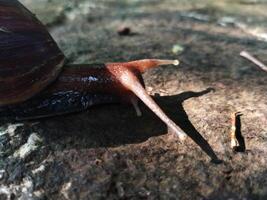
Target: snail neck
x: 89, y: 78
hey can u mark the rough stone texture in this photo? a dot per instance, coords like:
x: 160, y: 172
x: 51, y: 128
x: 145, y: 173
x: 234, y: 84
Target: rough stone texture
x: 109, y: 153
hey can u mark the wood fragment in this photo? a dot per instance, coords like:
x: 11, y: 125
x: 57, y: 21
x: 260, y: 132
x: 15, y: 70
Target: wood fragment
x: 254, y: 60
x: 237, y: 140
x: 233, y: 130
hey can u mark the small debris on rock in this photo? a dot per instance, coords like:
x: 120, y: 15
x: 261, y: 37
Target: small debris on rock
x: 39, y: 169
x: 2, y: 173
x: 10, y: 130
x: 65, y: 190
x: 124, y: 31
x: 32, y: 144
x: 196, y: 16
x: 237, y: 140
x: 177, y: 49
x: 228, y: 21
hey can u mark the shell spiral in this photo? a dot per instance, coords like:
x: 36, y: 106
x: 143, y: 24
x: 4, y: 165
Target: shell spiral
x: 29, y: 57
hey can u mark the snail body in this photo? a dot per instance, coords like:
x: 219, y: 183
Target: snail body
x: 36, y: 81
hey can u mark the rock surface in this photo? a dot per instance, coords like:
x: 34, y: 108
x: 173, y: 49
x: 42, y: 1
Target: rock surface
x: 109, y: 153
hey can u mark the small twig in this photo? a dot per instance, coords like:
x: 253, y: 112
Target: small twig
x: 251, y: 58
x: 237, y: 140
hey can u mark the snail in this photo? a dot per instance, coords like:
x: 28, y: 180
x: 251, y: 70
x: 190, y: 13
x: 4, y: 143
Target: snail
x: 36, y: 81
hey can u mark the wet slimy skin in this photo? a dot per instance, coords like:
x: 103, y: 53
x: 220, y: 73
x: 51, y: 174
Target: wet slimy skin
x: 80, y: 86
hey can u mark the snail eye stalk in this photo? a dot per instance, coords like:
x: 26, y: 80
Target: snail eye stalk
x: 129, y: 80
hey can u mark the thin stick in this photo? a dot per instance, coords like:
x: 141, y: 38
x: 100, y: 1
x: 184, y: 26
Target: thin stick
x: 251, y: 58
x: 237, y: 140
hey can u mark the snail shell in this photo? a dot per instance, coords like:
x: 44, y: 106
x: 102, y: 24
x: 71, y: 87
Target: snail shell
x: 29, y: 57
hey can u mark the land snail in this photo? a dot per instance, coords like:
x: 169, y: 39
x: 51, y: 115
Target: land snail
x: 36, y: 81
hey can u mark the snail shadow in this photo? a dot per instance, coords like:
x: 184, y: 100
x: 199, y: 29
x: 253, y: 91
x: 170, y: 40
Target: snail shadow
x: 180, y: 116
x: 115, y: 125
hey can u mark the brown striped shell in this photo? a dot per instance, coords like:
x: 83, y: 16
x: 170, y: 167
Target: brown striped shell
x: 29, y: 57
